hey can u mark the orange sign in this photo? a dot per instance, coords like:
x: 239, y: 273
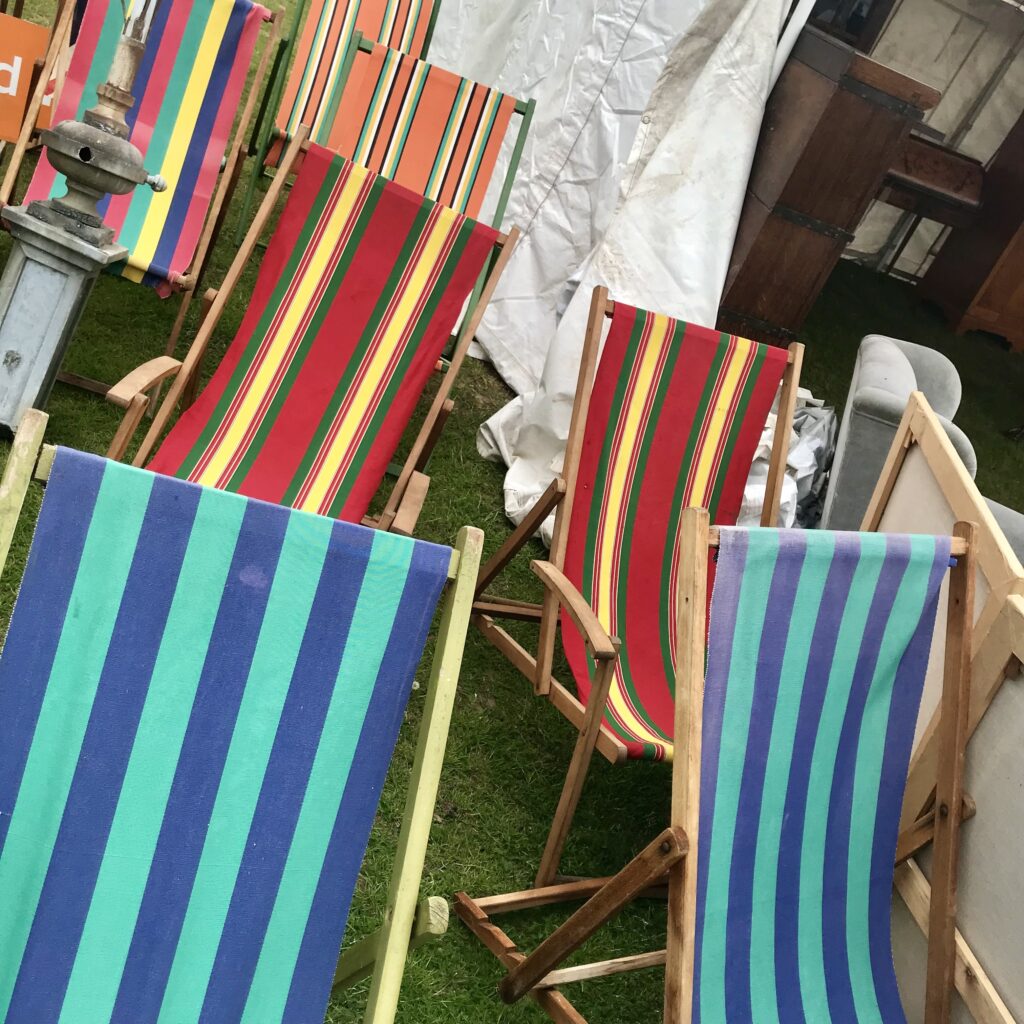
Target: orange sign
x: 21, y: 45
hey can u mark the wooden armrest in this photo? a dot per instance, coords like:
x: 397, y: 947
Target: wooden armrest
x: 602, y: 646
x: 411, y: 505
x: 142, y: 379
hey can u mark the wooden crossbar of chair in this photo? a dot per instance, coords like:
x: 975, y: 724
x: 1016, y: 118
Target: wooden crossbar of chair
x: 538, y: 973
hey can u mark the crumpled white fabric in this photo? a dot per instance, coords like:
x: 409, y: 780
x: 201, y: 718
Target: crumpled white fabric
x: 666, y: 247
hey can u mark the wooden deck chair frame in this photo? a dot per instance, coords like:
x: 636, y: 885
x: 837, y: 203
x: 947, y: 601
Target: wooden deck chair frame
x: 133, y: 392
x: 408, y: 923
x: 559, y: 591
x: 188, y: 283
x: 671, y: 856
x: 524, y: 108
x: 921, y: 446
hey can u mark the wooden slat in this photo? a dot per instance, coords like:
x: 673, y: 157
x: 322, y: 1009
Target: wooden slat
x: 411, y: 505
x: 603, y: 969
x: 972, y: 982
x: 651, y: 863
x: 920, y: 834
x: 780, y: 443
x: 956, y: 694
x: 21, y: 462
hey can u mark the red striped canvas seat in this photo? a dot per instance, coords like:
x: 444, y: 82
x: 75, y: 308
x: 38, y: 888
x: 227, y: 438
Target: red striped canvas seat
x: 328, y: 30
x: 358, y: 293
x: 675, y: 416
x: 426, y: 128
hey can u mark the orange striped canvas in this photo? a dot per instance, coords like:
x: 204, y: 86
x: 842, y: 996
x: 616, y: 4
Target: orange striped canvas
x: 320, y: 55
x: 424, y: 127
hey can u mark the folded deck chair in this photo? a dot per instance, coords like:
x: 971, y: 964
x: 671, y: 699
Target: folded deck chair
x: 199, y: 697
x: 358, y: 292
x: 672, y: 417
x: 187, y: 93
x: 785, y: 806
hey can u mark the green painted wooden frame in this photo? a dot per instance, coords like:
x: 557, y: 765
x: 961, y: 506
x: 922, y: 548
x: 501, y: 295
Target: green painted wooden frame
x: 266, y: 133
x: 407, y: 923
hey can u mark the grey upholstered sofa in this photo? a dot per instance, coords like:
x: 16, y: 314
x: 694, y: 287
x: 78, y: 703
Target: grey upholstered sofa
x: 887, y: 371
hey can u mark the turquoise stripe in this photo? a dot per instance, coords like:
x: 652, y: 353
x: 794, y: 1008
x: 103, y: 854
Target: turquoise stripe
x: 756, y: 585
x: 167, y: 119
x: 906, y: 613
x: 370, y: 632
x: 106, y: 561
x: 109, y: 925
x: 810, y: 950
x: 288, y: 608
x: 763, y: 995
x: 422, y: 70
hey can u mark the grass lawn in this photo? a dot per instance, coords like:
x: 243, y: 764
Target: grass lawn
x: 508, y: 752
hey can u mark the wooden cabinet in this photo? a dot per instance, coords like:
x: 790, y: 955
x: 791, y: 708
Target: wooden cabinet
x: 833, y: 127
x: 977, y: 278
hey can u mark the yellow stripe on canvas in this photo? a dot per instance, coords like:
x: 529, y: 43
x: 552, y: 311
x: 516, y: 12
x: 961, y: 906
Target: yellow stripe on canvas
x: 181, y: 137
x: 604, y: 596
x: 373, y: 116
x: 718, y: 422
x: 316, y: 55
x: 334, y: 69
x: 316, y: 490
x: 287, y: 330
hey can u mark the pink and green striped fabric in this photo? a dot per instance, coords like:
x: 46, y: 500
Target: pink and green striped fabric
x: 818, y: 648
x: 675, y: 417
x: 199, y: 697
x: 187, y: 93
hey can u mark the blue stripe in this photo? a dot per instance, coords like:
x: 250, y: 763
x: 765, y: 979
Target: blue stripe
x: 149, y: 55
x: 199, y: 143
x: 38, y: 619
x: 92, y: 799
x: 819, y: 667
x: 837, y: 831
x: 899, y: 739
x: 725, y: 602
x: 780, y: 600
x: 287, y: 772
x: 325, y: 928
x: 204, y: 748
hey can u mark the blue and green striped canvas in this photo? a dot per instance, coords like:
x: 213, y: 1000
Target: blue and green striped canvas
x: 817, y: 652
x: 199, y: 697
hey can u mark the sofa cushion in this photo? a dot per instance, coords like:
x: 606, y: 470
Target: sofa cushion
x: 883, y: 365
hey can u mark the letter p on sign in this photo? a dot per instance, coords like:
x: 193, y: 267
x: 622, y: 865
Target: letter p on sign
x: 21, y: 45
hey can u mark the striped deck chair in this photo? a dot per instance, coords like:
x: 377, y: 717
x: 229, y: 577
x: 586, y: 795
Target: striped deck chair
x: 188, y: 91
x: 357, y: 296
x: 200, y: 694
x: 788, y: 797
x: 424, y: 127
x: 671, y: 418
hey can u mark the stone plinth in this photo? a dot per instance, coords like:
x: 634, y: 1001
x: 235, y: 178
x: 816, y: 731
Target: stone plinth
x: 48, y: 278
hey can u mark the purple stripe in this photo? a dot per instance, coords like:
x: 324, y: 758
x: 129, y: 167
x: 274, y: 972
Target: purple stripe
x: 725, y: 601
x: 771, y: 654
x: 311, y: 982
x: 106, y: 747
x: 199, y: 143
x: 197, y: 777
x: 312, y: 687
x: 819, y: 667
x: 39, y: 613
x: 899, y: 738
x: 837, y: 833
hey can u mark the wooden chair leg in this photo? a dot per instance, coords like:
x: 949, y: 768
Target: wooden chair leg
x: 650, y: 864
x: 126, y: 431
x: 955, y: 704
x: 577, y: 774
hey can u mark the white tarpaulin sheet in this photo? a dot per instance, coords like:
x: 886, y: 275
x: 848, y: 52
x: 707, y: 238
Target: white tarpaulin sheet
x: 648, y: 113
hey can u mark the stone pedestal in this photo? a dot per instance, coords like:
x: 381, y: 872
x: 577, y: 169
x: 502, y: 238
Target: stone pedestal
x: 47, y: 281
